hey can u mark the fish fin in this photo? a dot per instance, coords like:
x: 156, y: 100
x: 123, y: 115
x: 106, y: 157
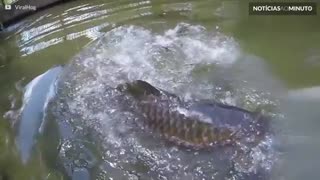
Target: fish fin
x: 138, y: 89
x: 143, y: 87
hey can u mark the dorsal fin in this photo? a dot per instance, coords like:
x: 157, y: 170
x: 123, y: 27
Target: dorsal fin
x: 139, y: 88
x: 146, y: 88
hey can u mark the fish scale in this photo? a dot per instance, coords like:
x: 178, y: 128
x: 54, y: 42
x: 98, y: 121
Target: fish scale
x: 175, y: 126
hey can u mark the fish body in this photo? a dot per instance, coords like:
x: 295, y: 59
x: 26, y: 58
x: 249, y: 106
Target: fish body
x: 200, y: 125
x: 188, y: 130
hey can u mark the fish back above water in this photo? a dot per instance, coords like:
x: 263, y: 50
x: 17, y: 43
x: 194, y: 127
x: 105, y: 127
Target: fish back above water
x: 188, y: 130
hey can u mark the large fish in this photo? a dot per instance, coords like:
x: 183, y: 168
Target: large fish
x: 198, y: 124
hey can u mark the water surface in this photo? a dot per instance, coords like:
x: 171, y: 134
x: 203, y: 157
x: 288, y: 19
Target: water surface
x: 226, y: 55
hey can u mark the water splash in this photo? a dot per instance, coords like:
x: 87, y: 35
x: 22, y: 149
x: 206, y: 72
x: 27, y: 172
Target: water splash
x: 89, y: 106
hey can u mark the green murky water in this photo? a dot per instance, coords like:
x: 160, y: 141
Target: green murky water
x: 289, y: 47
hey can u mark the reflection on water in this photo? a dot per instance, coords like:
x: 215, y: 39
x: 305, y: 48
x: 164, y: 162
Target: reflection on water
x: 306, y: 94
x: 31, y: 34
x: 53, y: 36
x: 36, y: 97
x: 29, y: 41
